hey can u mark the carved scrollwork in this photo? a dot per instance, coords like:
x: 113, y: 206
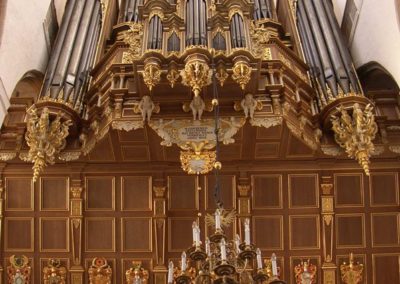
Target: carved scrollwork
x: 260, y: 37
x: 242, y: 73
x: 127, y: 125
x: 196, y: 74
x: 151, y: 75
x: 133, y: 38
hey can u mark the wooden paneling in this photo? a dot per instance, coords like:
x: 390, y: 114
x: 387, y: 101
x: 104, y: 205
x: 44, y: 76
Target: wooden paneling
x: 136, y: 234
x: 304, y: 232
x: 178, y: 230
x: 227, y: 188
x: 349, y: 190
x: 136, y: 193
x: 54, y: 234
x: 384, y: 189
x: 272, y: 227
x: 303, y: 191
x: 350, y: 230
x: 54, y: 195
x: 100, y: 234
x: 385, y: 229
x: 135, y: 153
x: 386, y: 268
x: 19, y: 194
x: 19, y: 235
x: 182, y: 193
x: 267, y: 191
x: 100, y: 193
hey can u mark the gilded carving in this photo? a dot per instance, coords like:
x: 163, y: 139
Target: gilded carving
x: 260, y: 37
x: 45, y: 138
x: 159, y: 191
x: 242, y: 73
x: 355, y: 133
x: 151, y: 75
x: 198, y: 162
x: 196, y: 74
x: 266, y: 122
x: 305, y: 273
x: 19, y: 270
x: 54, y: 273
x: 328, y: 219
x: 351, y: 273
x: 69, y: 156
x: 137, y: 274
x: 133, y: 38
x: 127, y: 125
x: 100, y: 272
x: 7, y: 156
x: 173, y: 76
x: 243, y: 190
x: 327, y: 204
x: 221, y: 75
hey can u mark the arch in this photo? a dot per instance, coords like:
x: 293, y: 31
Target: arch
x: 154, y: 40
x: 238, y: 37
x: 374, y: 77
x: 29, y: 85
x: 196, y: 22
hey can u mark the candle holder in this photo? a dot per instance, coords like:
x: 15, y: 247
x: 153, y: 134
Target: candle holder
x: 225, y: 280
x: 196, y: 253
x: 217, y: 236
x: 224, y: 269
x: 247, y: 251
x: 183, y: 279
x: 260, y: 276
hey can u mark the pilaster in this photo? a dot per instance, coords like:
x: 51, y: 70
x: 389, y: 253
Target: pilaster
x: 159, y: 224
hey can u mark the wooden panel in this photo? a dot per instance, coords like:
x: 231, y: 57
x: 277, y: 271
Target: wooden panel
x: 100, y: 193
x: 182, y: 193
x: 54, y: 194
x: 100, y: 234
x: 139, y: 135
x: 304, y: 232
x: 358, y: 258
x: 54, y: 234
x: 136, y: 234
x: 267, y: 191
x: 384, y: 189
x: 19, y: 194
x: 272, y: 226
x: 135, y: 153
x: 349, y: 190
x: 179, y: 228
x: 350, y: 231
x: 228, y: 191
x: 103, y: 151
x: 136, y: 193
x: 297, y: 149
x: 269, y: 133
x: 386, y: 268
x: 303, y: 191
x: 19, y: 234
x: 385, y: 229
x: 267, y: 150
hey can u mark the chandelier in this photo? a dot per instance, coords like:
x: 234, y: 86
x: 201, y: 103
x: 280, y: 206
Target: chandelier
x: 219, y: 260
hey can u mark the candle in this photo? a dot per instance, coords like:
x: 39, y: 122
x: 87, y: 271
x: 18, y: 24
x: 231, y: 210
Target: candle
x: 183, y: 262
x: 259, y: 260
x: 218, y: 219
x: 237, y: 243
x: 247, y: 231
x: 171, y: 272
x: 208, y: 250
x: 223, y: 249
x: 194, y: 233
x: 274, y: 266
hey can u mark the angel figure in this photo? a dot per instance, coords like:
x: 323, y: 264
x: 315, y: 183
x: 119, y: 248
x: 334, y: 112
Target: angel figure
x: 249, y: 105
x: 234, y: 127
x: 146, y: 107
x: 197, y: 105
x: 160, y: 128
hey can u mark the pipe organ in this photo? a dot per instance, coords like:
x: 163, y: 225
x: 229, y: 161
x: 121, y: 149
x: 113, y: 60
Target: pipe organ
x: 143, y: 99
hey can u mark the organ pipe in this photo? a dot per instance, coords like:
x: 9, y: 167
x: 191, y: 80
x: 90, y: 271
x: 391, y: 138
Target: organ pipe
x: 155, y: 33
x: 196, y: 22
x: 237, y: 31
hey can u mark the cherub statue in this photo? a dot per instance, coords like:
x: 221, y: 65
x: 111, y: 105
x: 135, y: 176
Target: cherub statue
x: 197, y: 105
x: 249, y: 105
x: 234, y: 127
x: 146, y: 107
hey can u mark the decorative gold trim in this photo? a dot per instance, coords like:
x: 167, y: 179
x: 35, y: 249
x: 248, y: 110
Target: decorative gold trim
x: 67, y: 242
x: 344, y: 257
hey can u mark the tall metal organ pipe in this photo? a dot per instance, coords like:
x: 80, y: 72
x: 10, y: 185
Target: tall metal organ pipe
x: 263, y: 9
x: 73, y: 53
x: 237, y: 31
x: 325, y: 50
x: 131, y: 12
x: 154, y: 40
x: 196, y: 22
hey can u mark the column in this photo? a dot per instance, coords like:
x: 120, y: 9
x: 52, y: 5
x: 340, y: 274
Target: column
x: 76, y: 222
x: 327, y: 219
x: 159, y: 223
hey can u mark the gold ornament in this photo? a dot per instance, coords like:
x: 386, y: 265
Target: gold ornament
x: 241, y: 73
x: 19, y: 270
x: 260, y: 37
x: 151, y: 75
x: 351, y: 273
x: 197, y: 162
x: 305, y: 272
x: 197, y: 74
x: 221, y: 75
x: 100, y: 271
x: 45, y: 138
x: 137, y: 274
x: 54, y: 272
x: 173, y: 76
x: 133, y: 38
x: 355, y: 133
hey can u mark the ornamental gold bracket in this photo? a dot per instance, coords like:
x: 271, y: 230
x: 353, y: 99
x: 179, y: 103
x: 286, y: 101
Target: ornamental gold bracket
x: 241, y: 73
x: 133, y: 37
x: 151, y: 75
x: 45, y: 138
x: 355, y: 133
x: 197, y: 75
